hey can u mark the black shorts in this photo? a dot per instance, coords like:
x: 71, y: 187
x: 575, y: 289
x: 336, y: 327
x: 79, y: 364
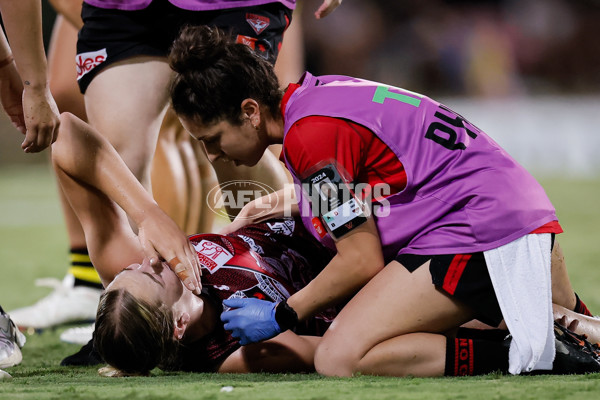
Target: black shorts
x: 463, y: 276
x: 110, y: 35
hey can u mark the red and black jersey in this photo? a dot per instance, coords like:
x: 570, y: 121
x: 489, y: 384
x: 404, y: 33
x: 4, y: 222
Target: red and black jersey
x: 269, y: 261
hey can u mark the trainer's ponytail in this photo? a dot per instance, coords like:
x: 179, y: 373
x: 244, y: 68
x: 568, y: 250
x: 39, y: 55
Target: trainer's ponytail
x: 196, y: 48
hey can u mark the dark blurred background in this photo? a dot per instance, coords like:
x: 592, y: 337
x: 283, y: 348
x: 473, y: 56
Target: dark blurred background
x: 457, y: 47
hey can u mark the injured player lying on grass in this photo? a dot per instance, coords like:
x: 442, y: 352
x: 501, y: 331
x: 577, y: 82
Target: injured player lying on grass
x: 146, y: 319
x: 152, y: 316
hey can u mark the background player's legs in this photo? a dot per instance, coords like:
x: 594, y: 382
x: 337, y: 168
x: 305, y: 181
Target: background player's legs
x: 126, y: 103
x: 208, y: 180
x: 134, y: 127
x: 76, y: 298
x: 169, y: 181
x: 290, y: 64
x: 63, y: 84
x: 268, y: 171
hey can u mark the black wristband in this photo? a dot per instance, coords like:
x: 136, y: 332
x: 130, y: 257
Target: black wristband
x: 285, y: 316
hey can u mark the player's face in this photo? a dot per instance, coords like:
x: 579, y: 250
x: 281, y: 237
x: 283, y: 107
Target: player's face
x: 150, y: 283
x: 243, y: 144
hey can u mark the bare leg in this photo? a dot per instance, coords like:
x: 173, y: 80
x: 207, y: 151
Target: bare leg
x: 290, y: 62
x: 61, y: 68
x: 208, y: 180
x: 126, y: 103
x: 393, y: 326
x: 63, y: 84
x: 562, y: 291
x: 195, y: 206
x: 286, y: 352
x: 169, y: 180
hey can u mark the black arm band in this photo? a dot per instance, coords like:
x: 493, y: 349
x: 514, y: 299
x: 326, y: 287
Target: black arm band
x: 285, y: 316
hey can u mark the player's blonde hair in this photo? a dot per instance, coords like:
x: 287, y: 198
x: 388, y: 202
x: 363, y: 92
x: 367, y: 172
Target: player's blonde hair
x: 134, y: 335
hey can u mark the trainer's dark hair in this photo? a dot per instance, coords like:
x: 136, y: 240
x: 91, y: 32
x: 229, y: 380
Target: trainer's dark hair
x: 214, y: 74
x: 134, y: 335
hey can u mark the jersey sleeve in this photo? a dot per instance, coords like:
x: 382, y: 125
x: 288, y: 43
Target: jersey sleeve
x: 314, y: 139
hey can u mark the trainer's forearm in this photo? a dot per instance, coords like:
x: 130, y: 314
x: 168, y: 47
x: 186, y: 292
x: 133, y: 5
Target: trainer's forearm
x: 82, y: 153
x: 358, y: 260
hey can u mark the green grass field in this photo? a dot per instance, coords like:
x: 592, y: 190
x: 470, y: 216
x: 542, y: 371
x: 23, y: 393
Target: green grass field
x: 33, y: 244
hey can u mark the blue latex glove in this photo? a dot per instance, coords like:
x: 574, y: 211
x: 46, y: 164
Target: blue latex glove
x: 250, y: 320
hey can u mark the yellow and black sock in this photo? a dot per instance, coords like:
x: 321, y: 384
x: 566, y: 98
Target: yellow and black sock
x: 83, y: 270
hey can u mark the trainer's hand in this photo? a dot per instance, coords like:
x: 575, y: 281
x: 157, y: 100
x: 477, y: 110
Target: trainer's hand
x: 161, y: 238
x: 41, y: 119
x: 327, y: 8
x: 250, y: 320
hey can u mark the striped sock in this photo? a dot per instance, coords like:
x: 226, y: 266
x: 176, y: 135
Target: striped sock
x: 580, y: 307
x: 83, y: 270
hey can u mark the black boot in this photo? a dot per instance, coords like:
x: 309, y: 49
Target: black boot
x: 574, y: 353
x: 87, y: 355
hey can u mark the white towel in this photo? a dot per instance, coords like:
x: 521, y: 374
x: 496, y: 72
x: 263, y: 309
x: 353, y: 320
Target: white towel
x: 520, y: 273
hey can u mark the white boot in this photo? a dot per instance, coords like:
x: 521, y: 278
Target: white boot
x: 67, y: 303
x: 78, y: 335
x: 11, y: 341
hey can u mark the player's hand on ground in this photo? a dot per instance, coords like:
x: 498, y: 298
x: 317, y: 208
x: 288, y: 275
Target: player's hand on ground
x: 250, y: 320
x: 162, y: 239
x: 11, y: 96
x: 327, y: 8
x: 41, y: 119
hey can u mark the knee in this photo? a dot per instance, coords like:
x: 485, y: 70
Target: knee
x: 332, y: 360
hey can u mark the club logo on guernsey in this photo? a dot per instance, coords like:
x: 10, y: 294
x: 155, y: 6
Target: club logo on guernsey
x: 247, y: 40
x: 257, y: 22
x: 211, y: 255
x: 88, y: 61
